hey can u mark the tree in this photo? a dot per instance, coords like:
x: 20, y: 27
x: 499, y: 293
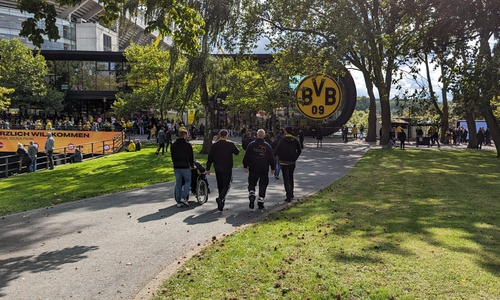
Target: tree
x: 263, y: 87
x: 157, y: 79
x: 23, y: 72
x: 216, y: 16
x: 372, y: 36
x: 175, y: 18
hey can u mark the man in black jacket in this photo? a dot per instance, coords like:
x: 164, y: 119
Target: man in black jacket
x: 247, y: 140
x: 183, y: 160
x: 258, y: 158
x: 287, y: 151
x: 221, y: 155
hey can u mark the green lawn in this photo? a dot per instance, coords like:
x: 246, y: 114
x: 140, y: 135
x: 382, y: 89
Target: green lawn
x: 105, y: 175
x: 401, y: 225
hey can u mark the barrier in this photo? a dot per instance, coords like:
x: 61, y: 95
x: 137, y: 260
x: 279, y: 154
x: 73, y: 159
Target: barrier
x: 10, y: 164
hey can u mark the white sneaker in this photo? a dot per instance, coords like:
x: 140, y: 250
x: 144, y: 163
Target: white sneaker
x: 179, y: 205
x: 185, y: 202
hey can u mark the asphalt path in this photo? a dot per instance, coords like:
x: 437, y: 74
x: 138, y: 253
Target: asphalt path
x: 122, y: 246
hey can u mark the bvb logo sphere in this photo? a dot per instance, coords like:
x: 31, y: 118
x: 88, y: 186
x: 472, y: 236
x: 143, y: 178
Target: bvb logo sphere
x: 318, y: 96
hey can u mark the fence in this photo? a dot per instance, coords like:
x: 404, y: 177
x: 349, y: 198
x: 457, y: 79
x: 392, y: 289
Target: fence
x: 11, y: 165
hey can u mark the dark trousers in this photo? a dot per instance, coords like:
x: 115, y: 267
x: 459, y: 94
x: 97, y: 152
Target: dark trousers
x: 262, y: 178
x: 162, y: 147
x: 224, y: 179
x: 287, y: 171
x: 50, y: 158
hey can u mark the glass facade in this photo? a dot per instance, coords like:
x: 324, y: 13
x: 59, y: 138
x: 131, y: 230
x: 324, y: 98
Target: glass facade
x: 10, y: 26
x: 87, y: 75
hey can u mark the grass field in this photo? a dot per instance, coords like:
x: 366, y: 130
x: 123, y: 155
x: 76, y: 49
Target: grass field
x: 401, y: 225
x: 408, y: 224
x: 105, y: 175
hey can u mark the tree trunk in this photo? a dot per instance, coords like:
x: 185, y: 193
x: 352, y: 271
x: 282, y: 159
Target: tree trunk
x: 209, y: 113
x: 471, y: 124
x: 492, y: 122
x: 371, y: 135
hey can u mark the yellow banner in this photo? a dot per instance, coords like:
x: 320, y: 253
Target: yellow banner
x: 64, y: 140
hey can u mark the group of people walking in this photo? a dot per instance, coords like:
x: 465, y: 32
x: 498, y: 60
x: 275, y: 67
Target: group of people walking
x: 260, y: 158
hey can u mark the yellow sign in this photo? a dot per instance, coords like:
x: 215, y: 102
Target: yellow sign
x: 191, y: 113
x: 318, y: 96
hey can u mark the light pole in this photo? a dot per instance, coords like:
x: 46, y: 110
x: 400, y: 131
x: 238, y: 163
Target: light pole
x: 103, y: 106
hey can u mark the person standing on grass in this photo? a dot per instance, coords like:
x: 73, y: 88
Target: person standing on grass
x: 480, y: 138
x: 49, y: 150
x: 256, y: 162
x: 288, y: 150
x: 183, y: 161
x: 402, y: 138
x: 162, y: 139
x: 33, y: 152
x: 221, y: 156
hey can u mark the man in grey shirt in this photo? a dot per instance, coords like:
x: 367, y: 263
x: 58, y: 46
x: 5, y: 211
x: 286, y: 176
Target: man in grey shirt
x: 49, y: 149
x: 32, y: 151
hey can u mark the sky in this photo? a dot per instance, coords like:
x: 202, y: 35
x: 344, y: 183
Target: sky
x: 360, y: 83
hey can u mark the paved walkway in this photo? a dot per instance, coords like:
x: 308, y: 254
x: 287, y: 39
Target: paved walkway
x: 122, y: 246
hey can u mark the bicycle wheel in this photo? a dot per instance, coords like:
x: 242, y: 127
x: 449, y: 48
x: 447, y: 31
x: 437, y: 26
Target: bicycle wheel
x: 201, y: 191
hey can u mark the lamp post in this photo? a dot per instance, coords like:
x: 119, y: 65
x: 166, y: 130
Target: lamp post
x: 103, y: 106
x: 217, y: 112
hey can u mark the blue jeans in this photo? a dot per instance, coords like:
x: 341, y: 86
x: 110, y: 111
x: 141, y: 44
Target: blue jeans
x: 278, y: 167
x: 179, y: 175
x: 33, y: 164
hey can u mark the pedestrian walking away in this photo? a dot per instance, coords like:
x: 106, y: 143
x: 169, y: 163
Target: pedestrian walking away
x: 288, y: 151
x: 274, y: 144
x: 49, y: 150
x: 182, y: 155
x: 221, y: 156
x: 319, y: 137
x: 162, y: 139
x: 256, y: 162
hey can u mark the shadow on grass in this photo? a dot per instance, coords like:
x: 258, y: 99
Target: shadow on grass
x: 396, y: 196
x: 13, y: 268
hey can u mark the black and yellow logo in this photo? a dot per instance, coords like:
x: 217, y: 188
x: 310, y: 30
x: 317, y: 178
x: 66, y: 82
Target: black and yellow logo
x: 318, y: 96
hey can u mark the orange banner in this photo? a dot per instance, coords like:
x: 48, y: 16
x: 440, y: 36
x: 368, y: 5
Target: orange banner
x: 63, y: 139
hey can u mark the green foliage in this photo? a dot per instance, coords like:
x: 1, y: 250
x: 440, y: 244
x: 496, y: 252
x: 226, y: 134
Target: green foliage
x: 393, y: 228
x: 255, y: 86
x: 4, y: 97
x: 174, y: 18
x: 23, y: 72
x: 157, y: 78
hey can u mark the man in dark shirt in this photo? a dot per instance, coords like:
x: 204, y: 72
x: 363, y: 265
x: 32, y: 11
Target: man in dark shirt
x: 247, y: 140
x: 183, y: 160
x: 258, y: 158
x: 288, y: 150
x: 221, y: 155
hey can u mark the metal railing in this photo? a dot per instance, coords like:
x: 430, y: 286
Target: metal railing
x: 12, y: 164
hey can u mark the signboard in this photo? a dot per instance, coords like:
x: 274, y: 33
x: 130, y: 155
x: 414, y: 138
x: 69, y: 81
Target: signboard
x: 318, y: 96
x: 63, y: 138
